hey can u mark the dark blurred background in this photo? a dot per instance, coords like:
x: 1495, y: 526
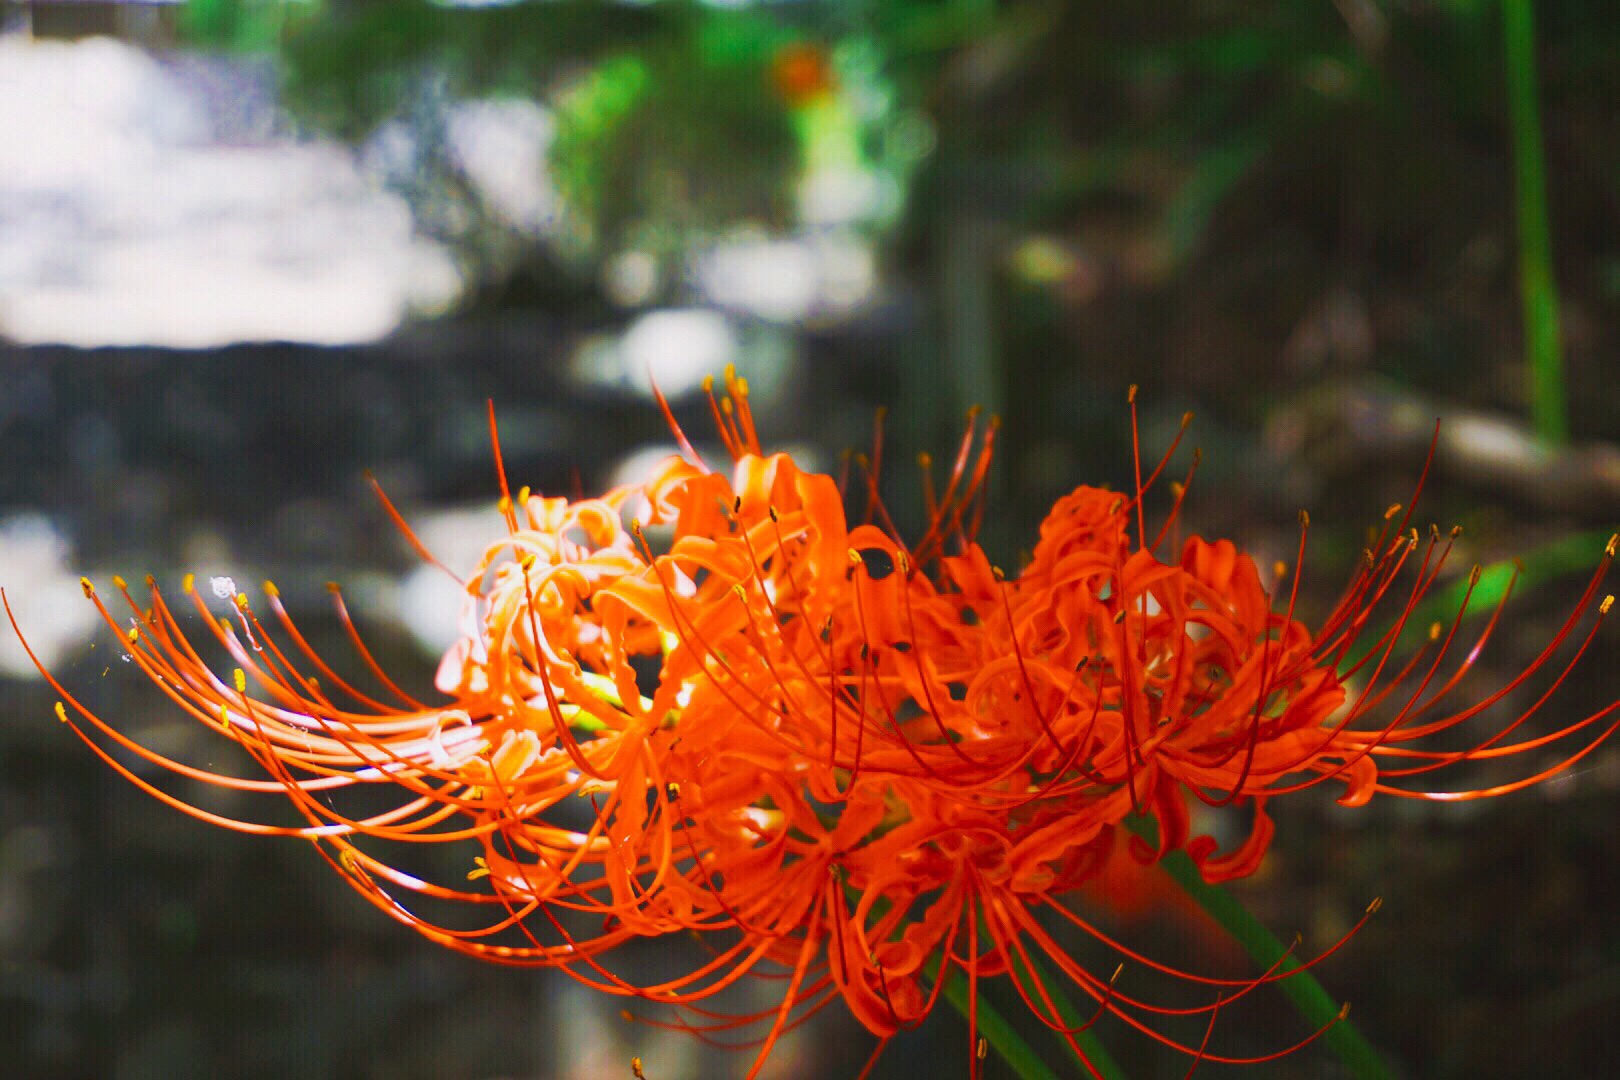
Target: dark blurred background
x: 251, y: 249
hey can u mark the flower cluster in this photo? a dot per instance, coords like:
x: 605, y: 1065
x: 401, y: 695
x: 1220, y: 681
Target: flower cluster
x: 710, y: 703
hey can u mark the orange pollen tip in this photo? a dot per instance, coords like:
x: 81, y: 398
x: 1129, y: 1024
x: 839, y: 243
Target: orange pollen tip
x: 1434, y: 531
x: 271, y: 591
x: 1473, y: 575
x: 1344, y: 1011
x: 1113, y: 507
x: 1000, y: 574
x: 188, y: 582
x: 625, y: 1014
x: 1304, y: 519
x: 333, y: 587
x: 635, y: 526
x: 1394, y: 508
x: 1434, y: 631
x: 1372, y: 908
x: 119, y: 583
x: 1118, y: 971
x: 926, y: 460
x: 742, y: 388
x: 61, y: 712
x: 1130, y: 395
x: 1279, y: 569
x: 1608, y: 549
x: 708, y: 384
x: 982, y: 1050
x: 725, y: 406
x: 1177, y: 489
x: 89, y: 589
x: 1186, y: 418
x: 1456, y: 531
x: 241, y: 680
x: 1608, y: 602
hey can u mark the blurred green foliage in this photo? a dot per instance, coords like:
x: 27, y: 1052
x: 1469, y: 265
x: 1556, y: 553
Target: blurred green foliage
x: 1223, y: 154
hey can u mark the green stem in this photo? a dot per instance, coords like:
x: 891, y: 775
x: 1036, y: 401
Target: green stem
x: 1538, y: 291
x: 1312, y: 1002
x: 1000, y: 1034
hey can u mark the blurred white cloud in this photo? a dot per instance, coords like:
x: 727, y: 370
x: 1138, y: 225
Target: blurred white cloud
x: 130, y: 215
x: 44, y: 595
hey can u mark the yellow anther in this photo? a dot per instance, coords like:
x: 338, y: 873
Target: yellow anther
x: 1304, y: 519
x: 1608, y: 602
x: 725, y: 406
x: 188, y: 582
x: 89, y: 589
x: 740, y: 593
x: 635, y: 1069
x: 1434, y: 631
x: 1456, y: 531
x: 118, y: 582
x: 151, y: 582
x: 1113, y: 507
x: 333, y: 587
x: 1130, y: 395
x: 1344, y: 1011
x: 481, y: 870
x: 854, y: 557
x: 225, y: 626
x: 134, y: 634
x: 982, y: 1049
x: 1394, y: 508
x: 1473, y: 575
x: 523, y: 495
x: 673, y: 791
x: 1608, y: 549
x: 903, y: 561
x: 998, y: 573
x: 270, y: 590
x: 1279, y: 569
x: 241, y: 680
x: 242, y: 600
x: 708, y: 384
x: 742, y: 388
x: 1177, y: 489
x: 225, y: 718
x: 1372, y: 908
x: 504, y: 504
x: 61, y: 712
x: 731, y: 374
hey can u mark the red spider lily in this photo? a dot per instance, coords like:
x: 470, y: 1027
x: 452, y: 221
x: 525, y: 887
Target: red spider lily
x: 866, y: 767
